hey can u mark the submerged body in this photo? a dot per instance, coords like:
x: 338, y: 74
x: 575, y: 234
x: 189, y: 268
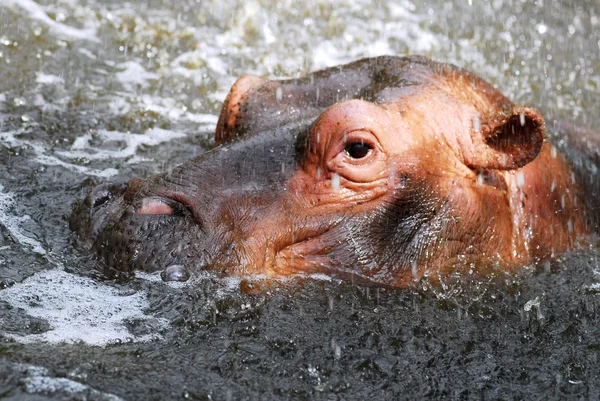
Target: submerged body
x: 387, y: 169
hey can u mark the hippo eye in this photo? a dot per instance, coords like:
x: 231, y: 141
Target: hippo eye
x: 357, y: 150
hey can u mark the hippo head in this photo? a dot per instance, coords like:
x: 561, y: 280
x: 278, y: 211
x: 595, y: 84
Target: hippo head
x: 384, y: 168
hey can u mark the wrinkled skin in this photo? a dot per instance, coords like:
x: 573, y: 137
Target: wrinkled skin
x: 384, y: 169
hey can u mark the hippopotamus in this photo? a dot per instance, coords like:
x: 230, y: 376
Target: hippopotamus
x: 386, y: 169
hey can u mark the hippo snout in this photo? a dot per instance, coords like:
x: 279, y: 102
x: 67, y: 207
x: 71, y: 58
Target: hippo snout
x: 91, y: 215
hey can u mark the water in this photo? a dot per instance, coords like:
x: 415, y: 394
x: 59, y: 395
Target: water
x: 95, y: 91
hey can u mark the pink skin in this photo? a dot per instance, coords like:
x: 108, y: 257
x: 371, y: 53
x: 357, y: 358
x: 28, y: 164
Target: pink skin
x: 404, y: 137
x: 485, y: 167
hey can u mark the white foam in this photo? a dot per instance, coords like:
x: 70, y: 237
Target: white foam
x: 81, y: 149
x: 37, y: 12
x: 378, y: 37
x: 12, y: 140
x: 78, y: 309
x: 133, y: 75
x: 87, y: 53
x: 38, y: 381
x: 81, y: 146
x: 48, y: 79
x: 13, y: 223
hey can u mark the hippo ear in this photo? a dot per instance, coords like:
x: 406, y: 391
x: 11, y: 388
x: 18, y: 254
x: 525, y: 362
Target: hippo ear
x: 506, y: 141
x: 229, y: 119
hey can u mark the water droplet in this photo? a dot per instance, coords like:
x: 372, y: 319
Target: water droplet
x: 414, y: 269
x: 175, y: 273
x: 279, y: 94
x: 531, y: 303
x: 335, y: 181
x: 476, y: 124
x: 19, y: 101
x: 480, y: 178
x: 542, y: 29
x: 522, y: 119
x: 337, y: 350
x: 520, y: 179
x: 318, y: 173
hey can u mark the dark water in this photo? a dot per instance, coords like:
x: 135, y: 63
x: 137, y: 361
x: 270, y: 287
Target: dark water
x: 94, y: 91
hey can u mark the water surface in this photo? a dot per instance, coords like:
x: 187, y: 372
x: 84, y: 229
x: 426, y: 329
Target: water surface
x: 102, y: 90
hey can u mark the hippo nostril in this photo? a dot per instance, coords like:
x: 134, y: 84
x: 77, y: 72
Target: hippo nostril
x: 103, y: 194
x: 101, y: 198
x: 98, y: 197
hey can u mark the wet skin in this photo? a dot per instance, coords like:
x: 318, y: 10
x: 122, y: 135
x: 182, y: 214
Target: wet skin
x: 385, y: 169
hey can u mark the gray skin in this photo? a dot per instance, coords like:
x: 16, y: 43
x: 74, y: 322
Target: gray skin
x: 217, y: 202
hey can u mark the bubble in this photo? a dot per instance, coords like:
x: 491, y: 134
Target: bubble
x: 175, y: 273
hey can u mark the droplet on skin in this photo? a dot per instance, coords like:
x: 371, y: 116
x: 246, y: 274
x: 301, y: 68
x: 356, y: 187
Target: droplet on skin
x: 414, y: 269
x: 553, y: 186
x: 279, y: 94
x: 547, y: 266
x: 318, y: 173
x: 520, y: 179
x: 569, y: 226
x: 553, y: 152
x: 479, y: 178
x: 392, y: 172
x: 335, y: 181
x: 175, y: 273
x: 476, y: 124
